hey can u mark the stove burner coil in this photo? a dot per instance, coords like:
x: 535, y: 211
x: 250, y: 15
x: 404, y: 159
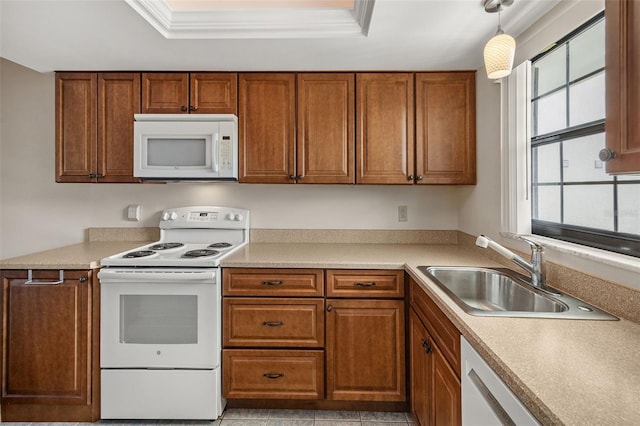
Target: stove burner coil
x: 141, y: 253
x: 220, y: 245
x: 165, y: 246
x: 199, y: 253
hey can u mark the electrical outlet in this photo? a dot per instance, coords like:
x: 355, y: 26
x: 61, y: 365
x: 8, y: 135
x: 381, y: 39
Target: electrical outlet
x: 403, y: 215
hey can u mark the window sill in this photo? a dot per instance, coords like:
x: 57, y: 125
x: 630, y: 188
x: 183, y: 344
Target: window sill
x: 616, y: 260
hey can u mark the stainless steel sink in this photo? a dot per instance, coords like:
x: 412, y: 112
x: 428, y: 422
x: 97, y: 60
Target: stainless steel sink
x: 503, y: 292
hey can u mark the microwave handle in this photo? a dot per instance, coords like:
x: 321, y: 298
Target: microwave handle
x: 216, y: 152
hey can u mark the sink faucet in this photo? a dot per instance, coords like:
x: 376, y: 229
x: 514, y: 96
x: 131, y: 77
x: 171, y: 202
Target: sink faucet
x: 535, y: 268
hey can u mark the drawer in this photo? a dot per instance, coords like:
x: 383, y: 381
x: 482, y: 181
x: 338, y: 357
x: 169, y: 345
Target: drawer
x: 365, y: 283
x: 262, y: 322
x: 273, y: 374
x: 273, y: 282
x: 439, y: 326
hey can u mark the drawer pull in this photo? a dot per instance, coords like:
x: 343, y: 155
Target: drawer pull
x: 273, y: 376
x: 272, y: 283
x: 273, y: 323
x: 364, y: 284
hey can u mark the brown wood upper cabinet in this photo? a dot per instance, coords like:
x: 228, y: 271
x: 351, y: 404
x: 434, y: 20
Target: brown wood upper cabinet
x: 623, y: 85
x: 384, y: 128
x: 94, y: 126
x: 189, y: 93
x: 445, y: 128
x: 50, y: 370
x: 316, y: 148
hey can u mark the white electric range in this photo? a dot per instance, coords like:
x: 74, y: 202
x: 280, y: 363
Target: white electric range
x: 160, y: 341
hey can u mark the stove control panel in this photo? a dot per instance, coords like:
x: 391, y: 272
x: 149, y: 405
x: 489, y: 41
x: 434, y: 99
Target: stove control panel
x: 205, y: 217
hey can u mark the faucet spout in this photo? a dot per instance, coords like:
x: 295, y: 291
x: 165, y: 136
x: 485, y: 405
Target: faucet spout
x: 534, y: 268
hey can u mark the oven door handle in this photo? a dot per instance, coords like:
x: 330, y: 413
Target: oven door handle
x: 114, y: 275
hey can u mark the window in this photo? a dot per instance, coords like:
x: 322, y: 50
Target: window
x: 572, y: 197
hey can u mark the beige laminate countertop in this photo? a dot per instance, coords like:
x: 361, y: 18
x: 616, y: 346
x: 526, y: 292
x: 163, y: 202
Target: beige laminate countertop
x: 569, y: 372
x: 565, y: 371
x: 85, y: 255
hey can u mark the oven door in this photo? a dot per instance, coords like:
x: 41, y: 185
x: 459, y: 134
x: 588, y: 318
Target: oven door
x: 161, y: 324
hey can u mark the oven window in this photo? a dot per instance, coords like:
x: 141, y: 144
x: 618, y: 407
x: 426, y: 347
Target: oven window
x: 177, y: 152
x: 159, y: 319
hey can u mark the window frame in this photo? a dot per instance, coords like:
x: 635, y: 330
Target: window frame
x: 614, y: 241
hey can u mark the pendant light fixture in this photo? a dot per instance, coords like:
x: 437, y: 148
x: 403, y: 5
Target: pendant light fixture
x: 501, y: 48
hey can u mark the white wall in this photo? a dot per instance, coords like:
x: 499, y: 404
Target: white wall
x: 36, y: 213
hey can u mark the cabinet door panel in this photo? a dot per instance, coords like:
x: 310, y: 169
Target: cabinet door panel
x: 385, y: 131
x: 118, y: 101
x: 214, y: 93
x: 445, y: 128
x: 623, y: 85
x: 266, y: 128
x: 76, y: 95
x: 326, y: 105
x: 46, y: 345
x: 165, y: 93
x: 420, y: 371
x: 447, y: 408
x: 365, y: 350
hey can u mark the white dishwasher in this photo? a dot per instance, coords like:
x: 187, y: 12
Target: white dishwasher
x: 486, y: 399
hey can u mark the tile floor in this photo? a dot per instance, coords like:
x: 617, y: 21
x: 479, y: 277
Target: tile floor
x: 256, y: 417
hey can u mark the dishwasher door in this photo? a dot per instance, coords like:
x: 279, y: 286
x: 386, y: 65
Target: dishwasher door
x: 486, y: 400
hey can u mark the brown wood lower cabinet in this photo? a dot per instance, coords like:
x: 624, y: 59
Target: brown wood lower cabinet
x: 50, y: 366
x: 434, y: 372
x: 273, y: 374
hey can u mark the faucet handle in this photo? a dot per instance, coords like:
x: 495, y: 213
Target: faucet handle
x: 535, y: 246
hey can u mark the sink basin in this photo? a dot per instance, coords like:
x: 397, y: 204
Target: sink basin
x: 503, y: 292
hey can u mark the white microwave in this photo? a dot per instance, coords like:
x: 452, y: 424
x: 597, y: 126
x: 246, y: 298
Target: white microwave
x: 185, y: 146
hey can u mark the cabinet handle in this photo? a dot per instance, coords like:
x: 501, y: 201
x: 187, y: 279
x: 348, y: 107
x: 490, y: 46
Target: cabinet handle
x: 606, y: 154
x: 410, y: 177
x: 364, y: 284
x: 30, y: 279
x: 292, y: 177
x: 99, y: 175
x: 183, y: 108
x: 273, y: 376
x: 272, y: 282
x: 192, y: 108
x: 82, y: 279
x: 329, y: 308
x: 93, y: 175
x: 273, y: 323
x: 419, y: 177
x: 426, y: 345
x: 299, y: 177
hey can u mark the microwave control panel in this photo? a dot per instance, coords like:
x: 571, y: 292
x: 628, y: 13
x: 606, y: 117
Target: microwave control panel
x: 225, y: 140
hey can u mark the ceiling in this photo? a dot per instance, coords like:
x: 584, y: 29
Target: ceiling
x: 70, y: 35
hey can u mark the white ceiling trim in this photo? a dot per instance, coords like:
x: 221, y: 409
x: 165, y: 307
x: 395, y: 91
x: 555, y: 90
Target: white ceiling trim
x: 256, y: 23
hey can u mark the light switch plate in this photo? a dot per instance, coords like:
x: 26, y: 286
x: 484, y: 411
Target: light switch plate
x: 133, y: 212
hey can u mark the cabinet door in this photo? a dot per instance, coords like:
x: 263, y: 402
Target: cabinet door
x: 118, y: 101
x: 76, y: 95
x: 46, y: 348
x: 267, y: 128
x: 385, y: 116
x: 365, y: 350
x: 326, y: 121
x: 420, y: 370
x: 623, y: 85
x: 213, y: 93
x: 446, y: 128
x: 165, y: 93
x: 447, y: 394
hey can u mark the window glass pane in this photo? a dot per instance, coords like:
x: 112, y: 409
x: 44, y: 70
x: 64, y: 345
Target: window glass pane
x: 549, y: 72
x: 629, y: 208
x: 580, y: 159
x: 589, y: 205
x: 586, y: 51
x: 586, y: 100
x: 551, y: 113
x: 548, y: 203
x: 546, y: 160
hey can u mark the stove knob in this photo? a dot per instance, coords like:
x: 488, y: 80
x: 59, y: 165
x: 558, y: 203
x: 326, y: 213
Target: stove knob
x: 165, y: 216
x: 231, y: 216
x: 239, y: 217
x: 174, y: 216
